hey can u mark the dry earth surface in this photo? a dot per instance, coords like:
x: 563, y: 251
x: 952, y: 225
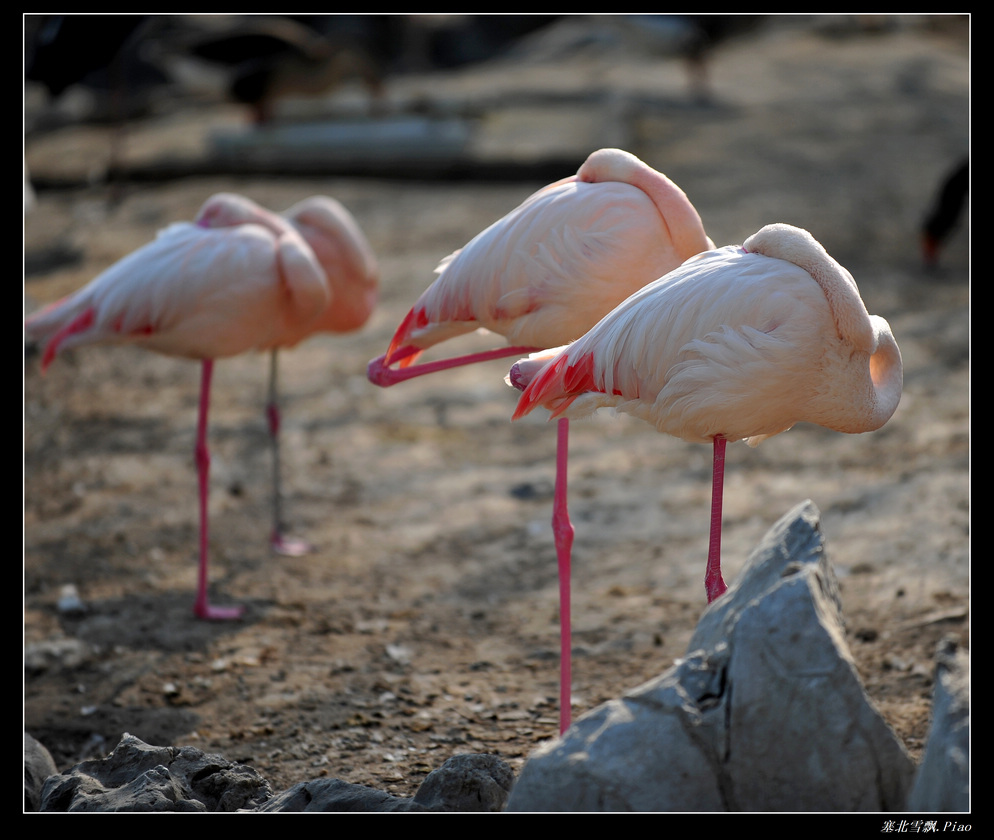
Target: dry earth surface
x: 425, y: 624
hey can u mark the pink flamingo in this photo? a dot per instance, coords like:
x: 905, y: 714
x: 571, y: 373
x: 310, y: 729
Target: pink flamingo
x: 737, y: 343
x: 238, y: 278
x: 545, y: 274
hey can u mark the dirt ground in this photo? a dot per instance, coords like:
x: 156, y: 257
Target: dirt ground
x: 425, y: 624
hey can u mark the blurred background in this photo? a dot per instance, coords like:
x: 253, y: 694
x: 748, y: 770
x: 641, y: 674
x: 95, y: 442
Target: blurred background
x: 133, y: 100
x: 436, y: 580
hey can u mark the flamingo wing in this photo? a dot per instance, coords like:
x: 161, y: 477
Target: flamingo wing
x: 731, y: 343
x: 545, y: 273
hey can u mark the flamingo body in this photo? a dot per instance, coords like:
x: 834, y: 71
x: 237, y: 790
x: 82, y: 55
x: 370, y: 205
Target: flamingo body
x: 741, y: 342
x: 551, y: 268
x: 737, y: 343
x: 238, y: 278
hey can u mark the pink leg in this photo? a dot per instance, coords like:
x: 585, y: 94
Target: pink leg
x: 280, y: 542
x: 202, y: 607
x: 562, y: 529
x: 713, y: 583
x: 380, y: 373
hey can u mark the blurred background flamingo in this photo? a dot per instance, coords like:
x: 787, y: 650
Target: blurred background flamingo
x: 238, y: 278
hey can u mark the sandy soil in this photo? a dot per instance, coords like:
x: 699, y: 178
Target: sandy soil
x: 426, y: 623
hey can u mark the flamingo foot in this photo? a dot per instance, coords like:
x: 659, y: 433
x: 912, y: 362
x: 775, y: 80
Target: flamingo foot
x: 205, y: 610
x: 379, y: 371
x: 715, y: 588
x: 287, y: 546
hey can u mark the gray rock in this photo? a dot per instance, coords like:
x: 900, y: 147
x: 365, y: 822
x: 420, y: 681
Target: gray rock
x: 765, y: 713
x: 336, y: 795
x: 140, y: 777
x: 471, y: 782
x: 38, y: 766
x: 464, y: 783
x: 58, y: 653
x: 943, y: 781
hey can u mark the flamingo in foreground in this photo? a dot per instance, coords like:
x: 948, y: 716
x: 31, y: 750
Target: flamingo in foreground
x: 543, y: 275
x: 737, y: 343
x: 238, y: 278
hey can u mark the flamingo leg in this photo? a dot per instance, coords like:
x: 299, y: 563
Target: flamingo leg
x: 713, y: 583
x: 380, y: 373
x: 562, y: 529
x: 280, y: 542
x: 202, y: 607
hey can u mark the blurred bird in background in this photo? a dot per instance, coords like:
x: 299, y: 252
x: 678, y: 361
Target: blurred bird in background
x: 945, y: 212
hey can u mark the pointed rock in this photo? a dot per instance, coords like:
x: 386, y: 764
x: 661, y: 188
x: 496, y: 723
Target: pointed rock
x: 765, y: 713
x: 943, y: 781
